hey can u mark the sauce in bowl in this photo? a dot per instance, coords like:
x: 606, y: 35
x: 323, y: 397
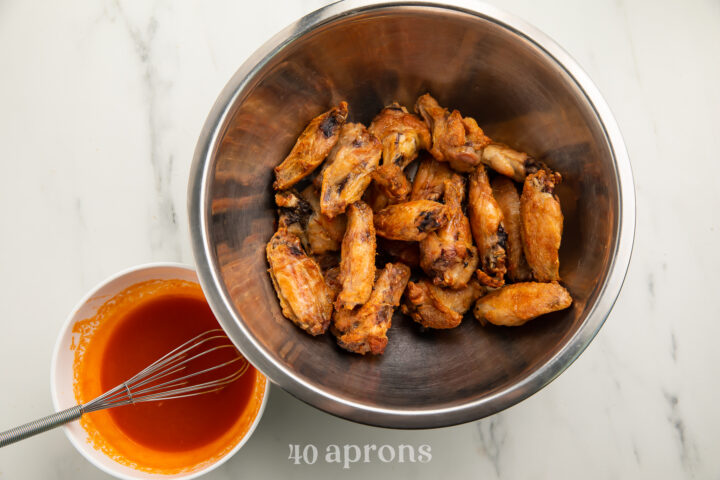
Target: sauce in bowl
x: 129, y: 332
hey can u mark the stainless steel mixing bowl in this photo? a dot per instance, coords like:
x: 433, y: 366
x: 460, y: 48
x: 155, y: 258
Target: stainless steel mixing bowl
x: 523, y: 90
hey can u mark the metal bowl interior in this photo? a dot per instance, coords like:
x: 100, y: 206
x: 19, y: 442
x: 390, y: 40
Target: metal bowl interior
x: 522, y: 89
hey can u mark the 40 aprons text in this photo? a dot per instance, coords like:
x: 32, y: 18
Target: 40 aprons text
x: 347, y: 455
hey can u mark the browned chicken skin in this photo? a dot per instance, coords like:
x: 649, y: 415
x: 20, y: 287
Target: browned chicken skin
x: 486, y: 222
x: 447, y: 255
x: 402, y: 135
x: 435, y: 307
x: 311, y: 147
x: 410, y: 221
x: 542, y: 224
x: 509, y: 162
x: 364, y: 329
x: 293, y: 215
x: 454, y: 140
x: 332, y: 280
x: 357, y: 267
x: 324, y: 234
x: 515, y: 304
x: 347, y: 171
x: 429, y: 182
x: 507, y: 197
x: 299, y: 283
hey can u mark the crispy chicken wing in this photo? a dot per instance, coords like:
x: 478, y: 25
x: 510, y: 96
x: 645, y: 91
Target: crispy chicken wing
x: 403, y: 135
x: 455, y: 139
x: 357, y: 267
x: 293, y: 214
x: 347, y: 171
x: 429, y: 182
x: 447, y: 255
x: 299, y: 283
x: 364, y: 329
x: 542, y: 224
x: 436, y: 307
x: 515, y: 304
x: 486, y: 222
x: 508, y: 199
x: 311, y: 147
x: 509, y: 162
x: 410, y: 221
x: 324, y: 233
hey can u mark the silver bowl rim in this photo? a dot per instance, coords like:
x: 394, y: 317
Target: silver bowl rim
x: 221, y: 302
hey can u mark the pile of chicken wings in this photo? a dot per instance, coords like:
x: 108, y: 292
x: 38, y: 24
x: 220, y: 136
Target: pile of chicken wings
x: 465, y: 235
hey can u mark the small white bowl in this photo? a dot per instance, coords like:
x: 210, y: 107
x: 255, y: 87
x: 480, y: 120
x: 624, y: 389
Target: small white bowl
x: 61, y: 373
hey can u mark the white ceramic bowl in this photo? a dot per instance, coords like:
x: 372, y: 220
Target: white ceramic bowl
x: 61, y: 374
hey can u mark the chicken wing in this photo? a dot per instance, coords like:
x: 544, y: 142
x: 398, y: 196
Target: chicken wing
x: 447, y: 255
x: 515, y: 304
x: 403, y: 135
x: 507, y: 197
x: 454, y: 139
x: 364, y: 329
x: 509, y: 162
x: 357, y: 267
x: 324, y: 233
x: 347, y: 171
x: 486, y: 223
x: 410, y: 221
x: 542, y: 224
x: 299, y: 283
x: 293, y: 215
x: 435, y: 307
x: 429, y: 182
x: 311, y: 147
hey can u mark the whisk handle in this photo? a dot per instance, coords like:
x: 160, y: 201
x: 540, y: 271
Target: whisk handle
x: 40, y: 425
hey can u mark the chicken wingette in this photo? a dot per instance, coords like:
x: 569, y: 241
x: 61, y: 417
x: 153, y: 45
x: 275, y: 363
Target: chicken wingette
x: 299, y: 283
x: 357, y: 264
x: 347, y: 171
x: 311, y: 147
x: 364, y: 329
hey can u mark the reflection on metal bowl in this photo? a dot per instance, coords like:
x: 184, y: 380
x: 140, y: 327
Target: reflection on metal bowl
x: 522, y: 89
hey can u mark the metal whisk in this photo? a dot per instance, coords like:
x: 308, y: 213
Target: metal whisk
x: 163, y: 380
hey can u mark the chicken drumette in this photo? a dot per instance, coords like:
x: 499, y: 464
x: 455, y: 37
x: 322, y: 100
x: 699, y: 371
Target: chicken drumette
x: 542, y: 225
x: 435, y: 307
x: 410, y: 221
x: 402, y: 135
x: 486, y: 222
x: 513, y: 305
x: 447, y: 255
x: 507, y: 197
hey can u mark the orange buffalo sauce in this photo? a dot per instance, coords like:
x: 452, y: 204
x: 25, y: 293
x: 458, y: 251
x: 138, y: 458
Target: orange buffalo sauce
x: 128, y: 333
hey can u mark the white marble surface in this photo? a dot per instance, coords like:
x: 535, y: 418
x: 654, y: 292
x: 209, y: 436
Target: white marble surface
x: 100, y: 106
